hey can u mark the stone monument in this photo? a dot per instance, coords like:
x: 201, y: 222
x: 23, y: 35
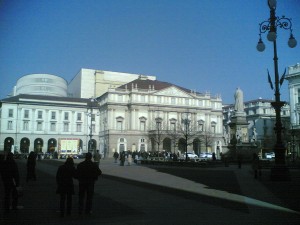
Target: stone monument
x: 240, y: 147
x: 239, y: 124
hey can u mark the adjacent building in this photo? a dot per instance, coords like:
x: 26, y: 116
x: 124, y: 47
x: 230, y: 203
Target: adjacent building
x: 293, y: 78
x: 90, y: 83
x: 260, y: 116
x: 44, y: 123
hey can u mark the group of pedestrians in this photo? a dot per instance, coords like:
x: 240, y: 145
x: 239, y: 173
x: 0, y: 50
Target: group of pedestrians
x: 87, y: 173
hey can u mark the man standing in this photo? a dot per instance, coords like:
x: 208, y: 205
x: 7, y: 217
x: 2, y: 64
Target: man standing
x: 10, y: 177
x: 87, y: 173
x: 97, y: 158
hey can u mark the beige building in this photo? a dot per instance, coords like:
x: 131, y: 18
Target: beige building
x: 89, y: 83
x: 129, y: 112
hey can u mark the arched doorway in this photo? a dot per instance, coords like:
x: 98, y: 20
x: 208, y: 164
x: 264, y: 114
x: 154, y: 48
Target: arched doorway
x: 8, y: 143
x: 197, y: 146
x: 52, y: 144
x: 167, y: 144
x: 24, y: 145
x: 38, y: 145
x: 181, y: 145
x: 122, y: 145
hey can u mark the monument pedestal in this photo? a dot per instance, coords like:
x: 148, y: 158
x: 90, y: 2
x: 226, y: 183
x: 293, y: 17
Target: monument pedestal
x: 240, y: 146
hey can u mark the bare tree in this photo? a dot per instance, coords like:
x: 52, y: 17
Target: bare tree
x: 173, y: 133
x: 157, y: 134
x: 189, y: 130
x: 207, y: 138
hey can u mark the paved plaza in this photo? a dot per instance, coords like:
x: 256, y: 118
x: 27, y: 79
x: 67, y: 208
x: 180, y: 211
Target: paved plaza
x: 140, y: 195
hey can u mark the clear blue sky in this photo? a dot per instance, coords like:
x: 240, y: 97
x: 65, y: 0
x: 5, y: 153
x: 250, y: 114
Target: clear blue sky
x: 202, y: 45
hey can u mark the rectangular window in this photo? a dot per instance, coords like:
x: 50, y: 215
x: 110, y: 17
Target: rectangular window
x: 79, y: 116
x: 158, y: 99
x: 26, y: 114
x: 66, y: 127
x: 298, y: 96
x: 39, y: 126
x: 93, y: 117
x: 143, y: 126
x: 25, y: 125
x: 10, y: 113
x: 143, y: 98
x: 158, y: 125
x: 40, y: 114
x: 53, y: 127
x: 53, y: 115
x: 78, y: 127
x: 120, y: 98
x: 119, y: 125
x: 93, y: 128
x: 66, y: 117
x: 187, y: 101
x: 173, y: 101
x: 213, y: 129
x: 9, y: 125
x: 200, y: 126
x: 172, y: 127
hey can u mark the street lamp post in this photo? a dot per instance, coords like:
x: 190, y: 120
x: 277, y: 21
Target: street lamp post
x: 186, y: 121
x: 279, y: 171
x: 93, y: 103
x: 158, y: 129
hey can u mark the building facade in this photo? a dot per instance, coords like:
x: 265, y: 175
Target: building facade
x: 130, y: 112
x: 90, y: 83
x: 41, y: 123
x: 293, y: 78
x: 260, y: 116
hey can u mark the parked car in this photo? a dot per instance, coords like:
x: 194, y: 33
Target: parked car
x: 190, y: 156
x: 205, y: 156
x: 270, y: 155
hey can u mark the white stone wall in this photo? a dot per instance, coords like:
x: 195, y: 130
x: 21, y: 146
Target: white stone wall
x: 18, y: 130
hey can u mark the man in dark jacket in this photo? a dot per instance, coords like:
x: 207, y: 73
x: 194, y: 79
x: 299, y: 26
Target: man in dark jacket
x: 87, y: 173
x: 65, y: 186
x: 10, y: 177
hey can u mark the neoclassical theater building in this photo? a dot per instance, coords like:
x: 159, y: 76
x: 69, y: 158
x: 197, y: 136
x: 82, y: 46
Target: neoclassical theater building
x: 128, y: 113
x: 106, y: 110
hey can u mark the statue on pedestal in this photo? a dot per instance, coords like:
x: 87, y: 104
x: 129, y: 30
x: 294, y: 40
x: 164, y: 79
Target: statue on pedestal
x: 239, y: 102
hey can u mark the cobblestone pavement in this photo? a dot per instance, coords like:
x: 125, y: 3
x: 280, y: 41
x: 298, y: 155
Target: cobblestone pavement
x: 138, y: 195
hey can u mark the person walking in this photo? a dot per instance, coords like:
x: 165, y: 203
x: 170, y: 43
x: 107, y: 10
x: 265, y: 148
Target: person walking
x: 31, y: 163
x: 65, y: 185
x: 97, y: 158
x: 129, y: 159
x: 87, y: 173
x: 122, y: 158
x: 11, y: 181
x: 256, y: 166
x: 116, y: 156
